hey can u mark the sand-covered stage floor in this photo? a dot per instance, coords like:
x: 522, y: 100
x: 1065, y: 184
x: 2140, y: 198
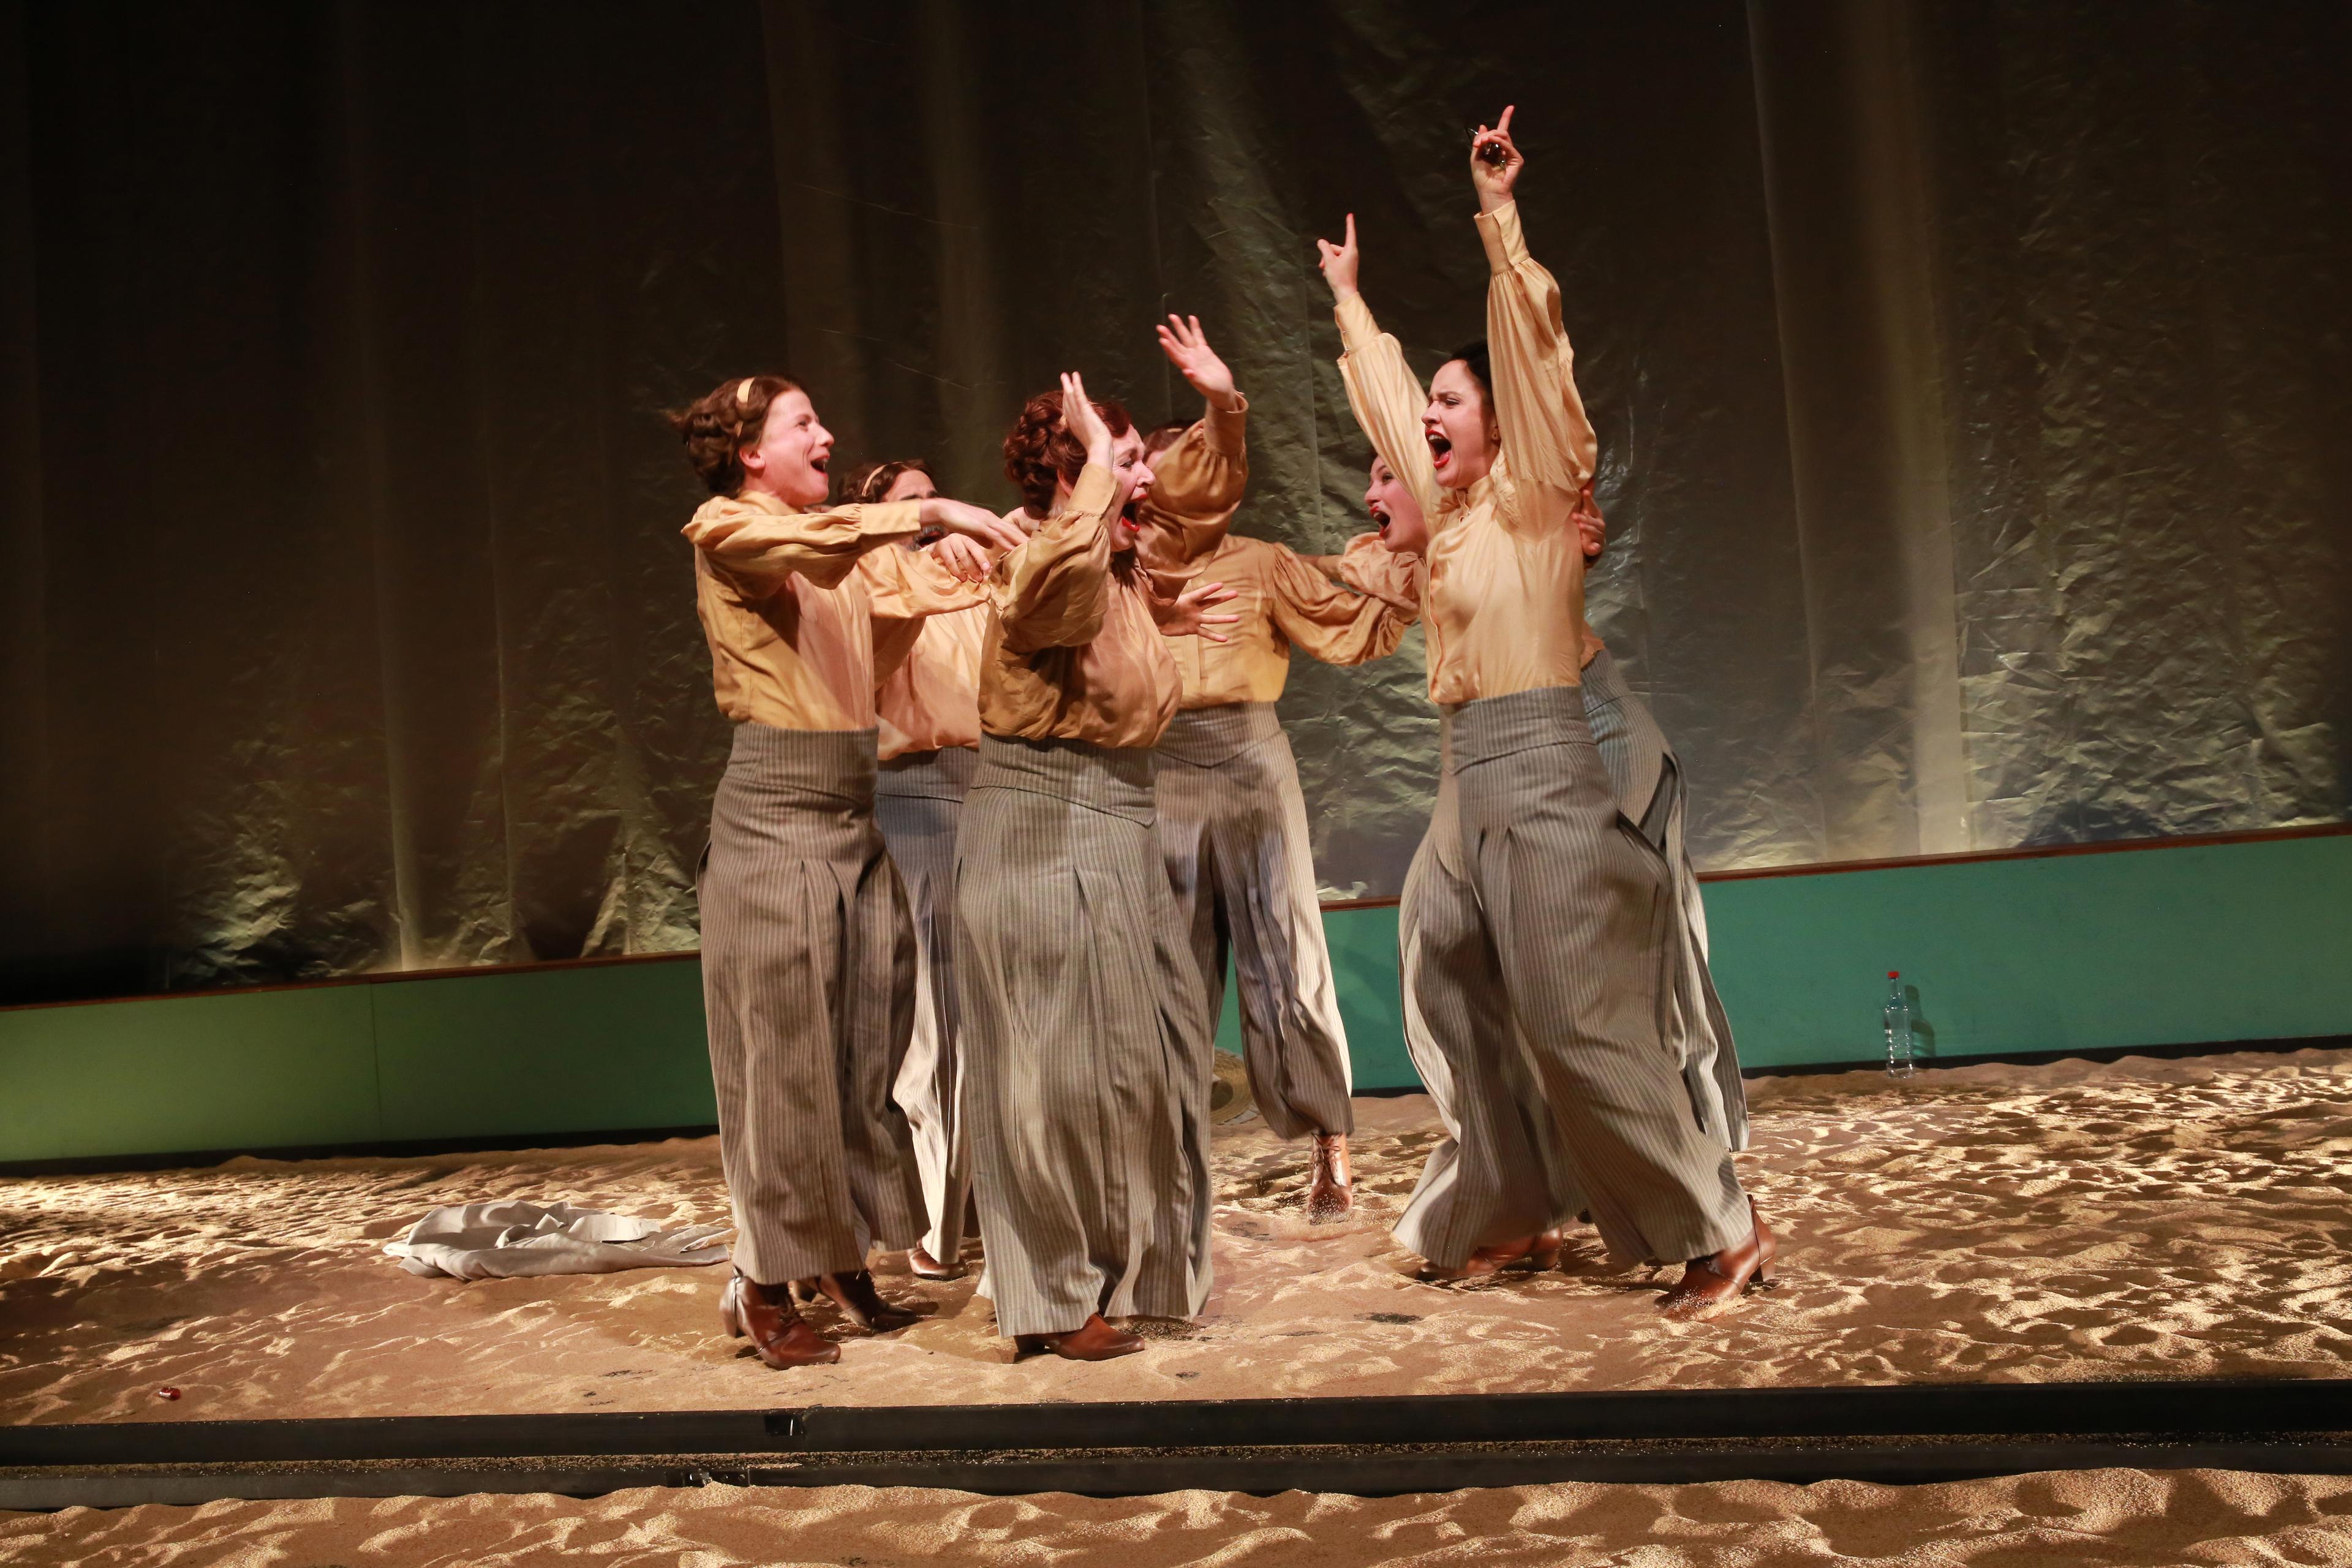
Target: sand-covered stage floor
x: 2143, y: 1218
x: 2118, y: 1519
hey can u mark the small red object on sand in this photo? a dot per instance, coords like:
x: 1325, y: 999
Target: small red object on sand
x: 169, y: 1393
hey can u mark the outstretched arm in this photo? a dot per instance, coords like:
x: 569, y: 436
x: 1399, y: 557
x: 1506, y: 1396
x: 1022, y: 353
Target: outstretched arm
x: 1382, y: 388
x: 1545, y: 436
x: 759, y: 547
x: 1329, y: 622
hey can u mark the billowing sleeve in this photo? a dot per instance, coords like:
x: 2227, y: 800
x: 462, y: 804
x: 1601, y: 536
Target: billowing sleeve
x: 1198, y: 482
x: 1547, y: 440
x: 1373, y: 568
x: 759, y: 547
x: 908, y: 584
x: 1329, y: 622
x: 1051, y: 592
x: 1387, y: 398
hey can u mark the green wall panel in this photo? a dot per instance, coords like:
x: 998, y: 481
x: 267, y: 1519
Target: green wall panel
x: 1372, y: 1006
x: 2171, y: 946
x: 2174, y: 946
x: 254, y: 1069
x: 557, y: 1050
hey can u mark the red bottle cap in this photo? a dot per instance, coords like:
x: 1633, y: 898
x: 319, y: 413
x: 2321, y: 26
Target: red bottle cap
x: 1893, y: 974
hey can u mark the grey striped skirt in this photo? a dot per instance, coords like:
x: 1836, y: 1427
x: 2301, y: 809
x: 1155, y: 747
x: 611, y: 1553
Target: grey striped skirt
x: 1233, y: 831
x: 1086, y: 1042
x: 1648, y: 779
x: 1540, y: 939
x: 808, y: 964
x: 916, y: 801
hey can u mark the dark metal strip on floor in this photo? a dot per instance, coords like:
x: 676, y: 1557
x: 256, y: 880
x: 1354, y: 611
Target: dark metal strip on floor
x: 1367, y: 1446
x: 2200, y: 1406
x: 1354, y: 1470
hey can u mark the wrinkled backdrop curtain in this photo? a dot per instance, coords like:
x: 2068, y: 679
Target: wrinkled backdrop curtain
x: 1970, y: 381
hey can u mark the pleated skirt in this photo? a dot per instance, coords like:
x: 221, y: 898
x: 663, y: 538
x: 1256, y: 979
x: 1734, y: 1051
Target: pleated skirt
x: 918, y: 803
x: 1648, y: 780
x: 1086, y: 1042
x: 808, y: 967
x: 1233, y: 831
x: 1540, y: 939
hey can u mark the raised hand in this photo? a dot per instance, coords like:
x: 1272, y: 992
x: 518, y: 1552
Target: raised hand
x: 1079, y: 415
x: 1493, y: 172
x: 1339, y: 262
x: 1187, y: 348
x: 1190, y: 614
x: 976, y: 523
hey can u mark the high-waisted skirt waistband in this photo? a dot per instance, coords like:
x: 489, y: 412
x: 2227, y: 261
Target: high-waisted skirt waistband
x: 1489, y: 727
x: 816, y: 767
x: 1115, y: 780
x: 1207, y: 736
x: 943, y: 774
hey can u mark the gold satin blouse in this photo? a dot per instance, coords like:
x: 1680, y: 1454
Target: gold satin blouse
x: 1504, y: 578
x: 931, y: 697
x: 1074, y: 649
x: 788, y: 601
x: 1283, y: 600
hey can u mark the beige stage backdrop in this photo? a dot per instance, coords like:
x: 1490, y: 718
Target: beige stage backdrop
x: 1971, y: 381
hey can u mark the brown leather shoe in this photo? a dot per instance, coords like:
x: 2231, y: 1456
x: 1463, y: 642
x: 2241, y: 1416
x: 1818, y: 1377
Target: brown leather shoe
x: 1537, y: 1254
x: 925, y: 1266
x: 1094, y: 1341
x: 859, y: 1301
x: 1333, y: 1192
x: 1710, y: 1284
x: 766, y: 1314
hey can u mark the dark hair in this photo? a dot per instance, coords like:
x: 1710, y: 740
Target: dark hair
x: 1159, y: 438
x: 845, y: 485
x: 876, y: 481
x: 1041, y: 451
x: 719, y: 424
x: 1473, y: 356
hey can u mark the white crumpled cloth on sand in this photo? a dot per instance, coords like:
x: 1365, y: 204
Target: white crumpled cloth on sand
x: 513, y: 1240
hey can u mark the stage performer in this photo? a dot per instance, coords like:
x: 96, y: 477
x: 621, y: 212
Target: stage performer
x: 929, y: 708
x: 807, y: 951
x: 1539, y: 936
x: 1520, y: 1153
x: 1086, y: 1034
x: 1233, y: 822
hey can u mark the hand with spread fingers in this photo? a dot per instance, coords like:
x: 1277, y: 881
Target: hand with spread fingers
x: 1190, y: 614
x: 1187, y: 348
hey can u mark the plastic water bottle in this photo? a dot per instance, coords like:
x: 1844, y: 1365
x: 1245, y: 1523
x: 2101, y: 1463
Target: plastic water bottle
x: 1899, y: 1062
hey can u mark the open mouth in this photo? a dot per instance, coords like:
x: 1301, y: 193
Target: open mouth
x: 819, y: 462
x: 1441, y: 450
x: 1380, y: 517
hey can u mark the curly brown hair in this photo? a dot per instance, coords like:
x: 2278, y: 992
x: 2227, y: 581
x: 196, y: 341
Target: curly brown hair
x: 719, y: 424
x: 1159, y: 438
x: 1041, y: 451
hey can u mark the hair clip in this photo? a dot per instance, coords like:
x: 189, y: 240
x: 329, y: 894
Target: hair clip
x: 743, y: 393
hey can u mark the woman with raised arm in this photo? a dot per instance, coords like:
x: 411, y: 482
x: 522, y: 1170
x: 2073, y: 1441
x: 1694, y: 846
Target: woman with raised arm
x: 1539, y: 928
x: 1086, y: 1038
x: 1233, y: 822
x: 807, y: 950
